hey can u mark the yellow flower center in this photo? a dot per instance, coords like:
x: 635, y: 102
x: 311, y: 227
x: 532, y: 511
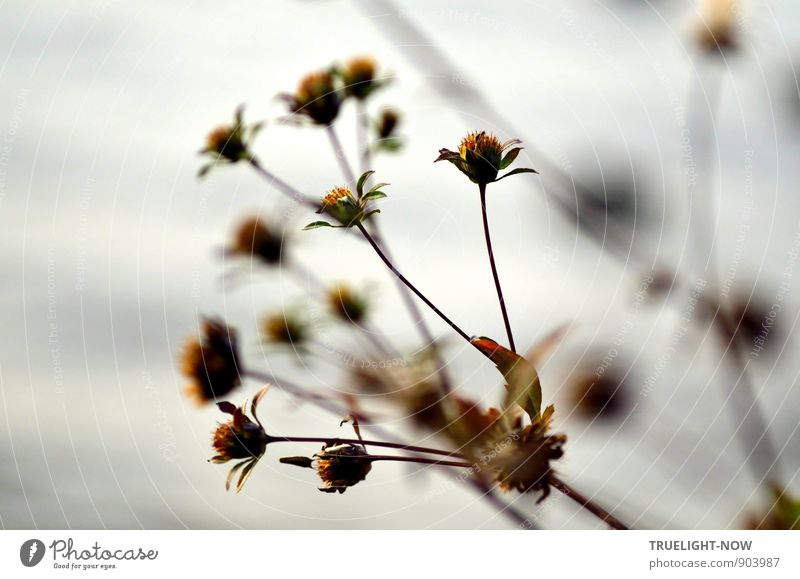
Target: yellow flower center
x: 335, y: 195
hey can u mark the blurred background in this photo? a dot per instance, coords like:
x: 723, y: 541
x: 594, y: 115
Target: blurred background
x: 683, y: 161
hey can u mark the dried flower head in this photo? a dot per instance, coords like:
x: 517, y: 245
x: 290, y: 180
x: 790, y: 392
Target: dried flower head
x: 348, y: 209
x: 481, y: 156
x: 348, y: 304
x: 387, y: 123
x: 288, y: 327
x: 211, y: 361
x: 358, y: 76
x: 602, y: 396
x: 240, y: 438
x: 230, y: 143
x: 317, y: 98
x: 255, y: 238
x: 521, y: 461
x: 716, y: 31
x: 339, y: 466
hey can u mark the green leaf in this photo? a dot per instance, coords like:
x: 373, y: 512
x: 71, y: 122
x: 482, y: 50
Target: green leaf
x: 316, y: 224
x: 374, y: 195
x: 361, y: 181
x: 516, y: 172
x: 509, y: 158
x: 523, y: 387
x: 205, y: 169
x: 377, y: 187
x: 370, y: 213
x: 389, y: 145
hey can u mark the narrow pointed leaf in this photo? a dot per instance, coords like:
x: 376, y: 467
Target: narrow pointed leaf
x: 232, y: 473
x: 256, y: 401
x: 316, y: 224
x: 362, y: 180
x: 374, y: 195
x: 523, y: 387
x: 227, y: 407
x: 516, y: 172
x: 246, y: 474
x: 509, y: 158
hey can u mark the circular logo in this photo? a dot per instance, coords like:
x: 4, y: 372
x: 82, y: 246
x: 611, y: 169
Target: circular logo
x: 31, y: 552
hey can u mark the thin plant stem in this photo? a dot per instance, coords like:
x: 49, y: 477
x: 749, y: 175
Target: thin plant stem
x: 338, y: 151
x: 486, y: 491
x: 411, y: 305
x: 418, y: 460
x: 411, y: 286
x: 587, y: 504
x: 362, y: 132
x: 380, y: 443
x: 506, y: 321
x: 283, y: 186
x: 416, y: 316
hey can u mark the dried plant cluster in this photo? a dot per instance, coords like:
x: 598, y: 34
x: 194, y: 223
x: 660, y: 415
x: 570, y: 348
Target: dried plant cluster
x: 509, y: 448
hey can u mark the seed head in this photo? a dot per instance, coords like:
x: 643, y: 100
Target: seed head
x: 522, y: 460
x: 358, y: 76
x: 211, y: 361
x: 240, y: 437
x: 254, y: 238
x: 317, y: 98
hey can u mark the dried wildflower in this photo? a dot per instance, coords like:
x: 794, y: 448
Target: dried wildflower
x: 783, y: 515
x: 387, y: 123
x: 347, y: 304
x: 521, y: 461
x: 339, y: 466
x: 717, y: 30
x: 211, y: 361
x: 230, y: 143
x: 359, y: 79
x: 240, y: 438
x: 317, y: 98
x: 347, y: 209
x: 253, y: 237
x: 481, y: 156
x: 286, y: 327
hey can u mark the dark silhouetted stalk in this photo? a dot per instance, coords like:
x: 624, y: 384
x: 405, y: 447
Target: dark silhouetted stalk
x: 506, y: 321
x: 587, y: 504
x: 411, y: 286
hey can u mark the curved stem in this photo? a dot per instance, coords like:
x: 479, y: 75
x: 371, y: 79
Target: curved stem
x: 338, y: 151
x: 482, y: 188
x: 417, y: 459
x: 587, y: 504
x: 337, y: 440
x: 411, y: 286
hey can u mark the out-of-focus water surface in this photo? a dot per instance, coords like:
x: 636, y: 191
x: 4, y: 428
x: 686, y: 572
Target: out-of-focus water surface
x: 109, y: 248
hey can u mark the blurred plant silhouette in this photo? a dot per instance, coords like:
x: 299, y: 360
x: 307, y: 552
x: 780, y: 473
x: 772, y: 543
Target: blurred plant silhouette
x: 510, y: 447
